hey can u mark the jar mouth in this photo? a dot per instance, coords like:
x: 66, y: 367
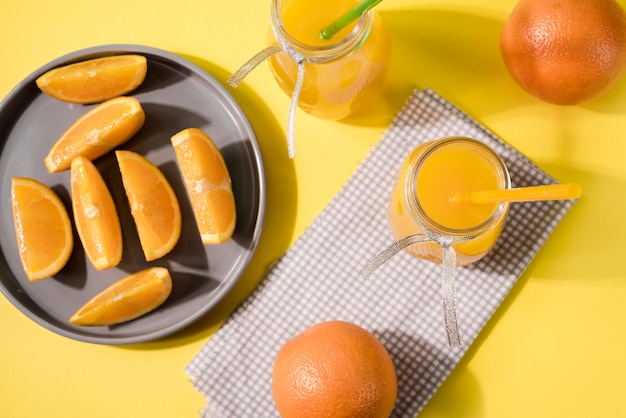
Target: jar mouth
x: 416, y: 208
x: 351, y: 41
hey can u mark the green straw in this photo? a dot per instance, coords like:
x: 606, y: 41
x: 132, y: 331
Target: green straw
x: 347, y: 18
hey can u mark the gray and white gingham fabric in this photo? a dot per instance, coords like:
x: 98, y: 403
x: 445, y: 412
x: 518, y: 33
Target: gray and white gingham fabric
x: 318, y: 278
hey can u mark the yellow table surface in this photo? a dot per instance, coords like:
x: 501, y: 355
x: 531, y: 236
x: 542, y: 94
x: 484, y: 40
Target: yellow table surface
x: 555, y: 346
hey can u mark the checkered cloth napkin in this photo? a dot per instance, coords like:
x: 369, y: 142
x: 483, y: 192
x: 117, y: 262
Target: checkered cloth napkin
x: 318, y: 278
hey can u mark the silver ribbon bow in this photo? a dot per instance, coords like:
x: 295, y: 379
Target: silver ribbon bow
x: 448, y: 292
x: 299, y: 59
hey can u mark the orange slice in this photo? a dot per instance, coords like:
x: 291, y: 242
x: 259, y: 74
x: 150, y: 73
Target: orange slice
x: 208, y: 184
x: 95, y: 215
x: 127, y: 299
x: 97, y: 132
x: 96, y: 80
x: 42, y: 227
x: 153, y: 204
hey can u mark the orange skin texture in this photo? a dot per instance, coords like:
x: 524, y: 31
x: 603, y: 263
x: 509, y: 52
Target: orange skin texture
x: 565, y: 51
x: 334, y: 369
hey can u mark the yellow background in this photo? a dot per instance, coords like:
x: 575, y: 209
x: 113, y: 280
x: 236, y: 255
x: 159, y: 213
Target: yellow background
x: 555, y: 347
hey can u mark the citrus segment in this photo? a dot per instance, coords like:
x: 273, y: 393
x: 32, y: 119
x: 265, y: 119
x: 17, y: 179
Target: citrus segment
x: 95, y: 80
x: 127, y: 299
x: 208, y: 184
x: 153, y: 204
x: 336, y: 369
x: 42, y: 228
x: 95, y: 215
x: 97, y: 132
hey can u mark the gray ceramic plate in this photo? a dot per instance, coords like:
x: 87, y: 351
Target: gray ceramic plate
x: 175, y: 95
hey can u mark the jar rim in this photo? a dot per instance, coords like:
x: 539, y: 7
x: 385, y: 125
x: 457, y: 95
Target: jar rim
x: 418, y: 212
x: 340, y: 47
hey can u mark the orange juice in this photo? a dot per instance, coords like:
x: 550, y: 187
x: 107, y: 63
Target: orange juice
x: 356, y: 59
x: 421, y: 201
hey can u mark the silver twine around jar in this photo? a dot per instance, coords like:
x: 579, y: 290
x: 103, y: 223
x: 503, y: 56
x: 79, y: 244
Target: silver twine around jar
x: 299, y: 59
x: 448, y: 291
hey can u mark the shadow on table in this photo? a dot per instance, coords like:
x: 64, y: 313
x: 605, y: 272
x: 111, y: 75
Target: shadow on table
x: 590, y: 238
x: 454, y: 53
x: 421, y: 368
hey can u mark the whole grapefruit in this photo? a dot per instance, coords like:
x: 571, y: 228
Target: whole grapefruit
x: 334, y: 369
x: 565, y: 51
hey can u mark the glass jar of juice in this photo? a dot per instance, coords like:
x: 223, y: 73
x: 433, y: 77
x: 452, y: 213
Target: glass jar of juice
x: 422, y: 199
x: 340, y: 74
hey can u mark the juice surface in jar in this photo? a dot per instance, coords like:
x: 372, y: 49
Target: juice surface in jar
x: 360, y: 56
x: 422, y: 198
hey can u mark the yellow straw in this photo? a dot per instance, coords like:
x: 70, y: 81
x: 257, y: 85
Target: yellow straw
x: 524, y: 194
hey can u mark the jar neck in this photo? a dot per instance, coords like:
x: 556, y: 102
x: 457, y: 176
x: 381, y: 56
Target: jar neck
x: 338, y: 48
x: 416, y: 208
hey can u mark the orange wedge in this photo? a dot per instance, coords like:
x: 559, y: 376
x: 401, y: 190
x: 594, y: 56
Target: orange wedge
x: 97, y: 132
x: 95, y: 215
x: 208, y: 184
x: 42, y: 227
x: 153, y: 204
x: 127, y: 299
x: 96, y: 80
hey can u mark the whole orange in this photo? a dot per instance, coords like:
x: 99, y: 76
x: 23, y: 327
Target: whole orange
x: 334, y: 369
x: 565, y: 51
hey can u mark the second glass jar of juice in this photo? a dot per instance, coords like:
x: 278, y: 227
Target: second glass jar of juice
x: 356, y: 59
x: 422, y: 199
